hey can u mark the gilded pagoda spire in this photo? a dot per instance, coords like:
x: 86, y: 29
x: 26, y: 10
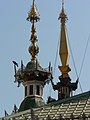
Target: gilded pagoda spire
x: 63, y: 50
x: 64, y: 86
x: 33, y: 16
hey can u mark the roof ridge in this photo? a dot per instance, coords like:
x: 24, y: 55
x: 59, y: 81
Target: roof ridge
x: 66, y: 100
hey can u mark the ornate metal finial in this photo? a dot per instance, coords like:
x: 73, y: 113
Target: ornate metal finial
x: 63, y: 15
x: 33, y: 16
x: 63, y: 50
x: 64, y: 87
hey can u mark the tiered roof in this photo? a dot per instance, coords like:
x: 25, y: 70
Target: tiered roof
x: 75, y: 107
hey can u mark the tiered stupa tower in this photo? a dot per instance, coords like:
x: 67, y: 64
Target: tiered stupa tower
x: 64, y: 87
x: 33, y: 76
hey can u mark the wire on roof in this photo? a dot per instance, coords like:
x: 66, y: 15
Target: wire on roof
x: 74, y: 62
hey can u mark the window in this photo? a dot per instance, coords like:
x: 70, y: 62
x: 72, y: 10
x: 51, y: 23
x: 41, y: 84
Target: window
x: 38, y: 90
x: 31, y: 90
x: 25, y: 90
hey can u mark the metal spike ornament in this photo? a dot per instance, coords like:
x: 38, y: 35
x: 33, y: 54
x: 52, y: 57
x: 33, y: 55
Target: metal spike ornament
x: 33, y: 16
x: 63, y: 50
x: 64, y: 87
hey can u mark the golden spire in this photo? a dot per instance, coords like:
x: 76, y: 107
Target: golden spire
x: 64, y: 87
x: 33, y: 16
x: 63, y: 50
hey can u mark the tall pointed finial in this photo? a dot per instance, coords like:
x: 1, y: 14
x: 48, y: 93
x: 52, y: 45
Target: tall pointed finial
x: 33, y: 16
x: 63, y: 15
x: 63, y: 50
x: 64, y: 87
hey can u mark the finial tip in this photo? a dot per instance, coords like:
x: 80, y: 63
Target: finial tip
x: 33, y: 1
x: 62, y: 3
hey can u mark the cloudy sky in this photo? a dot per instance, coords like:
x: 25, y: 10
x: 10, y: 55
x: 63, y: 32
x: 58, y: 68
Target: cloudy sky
x: 14, y: 42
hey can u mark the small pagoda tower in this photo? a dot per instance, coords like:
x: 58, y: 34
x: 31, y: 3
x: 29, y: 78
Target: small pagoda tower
x: 64, y: 87
x: 32, y: 76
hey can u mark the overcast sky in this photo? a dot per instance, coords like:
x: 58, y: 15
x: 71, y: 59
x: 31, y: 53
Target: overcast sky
x: 14, y: 42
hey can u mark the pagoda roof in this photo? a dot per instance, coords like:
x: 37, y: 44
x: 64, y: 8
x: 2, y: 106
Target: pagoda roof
x: 76, y: 106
